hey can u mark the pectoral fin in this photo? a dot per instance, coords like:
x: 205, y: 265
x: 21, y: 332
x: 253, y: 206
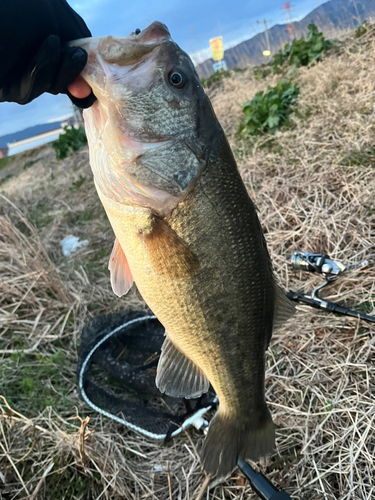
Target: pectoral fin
x: 169, y: 254
x: 121, y: 276
x: 179, y: 376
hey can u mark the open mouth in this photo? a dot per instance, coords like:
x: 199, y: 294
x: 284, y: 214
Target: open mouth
x: 125, y: 51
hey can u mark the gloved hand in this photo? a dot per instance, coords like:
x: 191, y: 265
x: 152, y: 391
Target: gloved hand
x: 34, y: 54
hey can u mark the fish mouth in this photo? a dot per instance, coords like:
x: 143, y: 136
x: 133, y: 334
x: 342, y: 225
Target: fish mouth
x: 123, y: 61
x: 155, y: 34
x: 123, y: 51
x: 131, y: 49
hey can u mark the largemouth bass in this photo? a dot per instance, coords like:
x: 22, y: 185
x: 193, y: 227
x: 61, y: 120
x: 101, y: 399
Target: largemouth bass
x: 187, y: 234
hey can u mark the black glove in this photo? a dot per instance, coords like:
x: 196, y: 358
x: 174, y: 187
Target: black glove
x: 33, y: 51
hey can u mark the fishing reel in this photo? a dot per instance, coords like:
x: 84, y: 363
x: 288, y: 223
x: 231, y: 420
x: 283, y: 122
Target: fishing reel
x: 317, y: 263
x: 331, y: 271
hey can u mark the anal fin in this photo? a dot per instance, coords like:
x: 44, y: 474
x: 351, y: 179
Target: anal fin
x: 179, y: 376
x: 121, y: 276
x: 284, y: 308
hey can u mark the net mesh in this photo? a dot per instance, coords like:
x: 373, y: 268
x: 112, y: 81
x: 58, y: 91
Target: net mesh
x: 117, y: 364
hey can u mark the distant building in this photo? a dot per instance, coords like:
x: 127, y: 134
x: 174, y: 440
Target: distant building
x: 33, y: 136
x: 220, y: 65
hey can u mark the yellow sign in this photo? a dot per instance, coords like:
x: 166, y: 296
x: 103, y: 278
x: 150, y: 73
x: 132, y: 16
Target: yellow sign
x: 266, y: 53
x: 217, y: 50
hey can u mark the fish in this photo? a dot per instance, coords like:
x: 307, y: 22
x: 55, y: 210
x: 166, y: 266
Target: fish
x: 187, y: 233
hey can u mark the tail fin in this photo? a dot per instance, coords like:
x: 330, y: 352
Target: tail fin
x: 228, y: 440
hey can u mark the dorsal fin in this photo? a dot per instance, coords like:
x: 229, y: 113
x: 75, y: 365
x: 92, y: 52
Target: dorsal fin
x: 177, y: 375
x: 121, y: 276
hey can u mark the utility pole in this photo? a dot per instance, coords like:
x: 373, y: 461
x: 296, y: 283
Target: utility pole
x: 287, y: 6
x: 253, y: 29
x: 268, y: 51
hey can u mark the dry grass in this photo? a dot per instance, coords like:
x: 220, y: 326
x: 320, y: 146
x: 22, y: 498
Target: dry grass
x: 314, y: 185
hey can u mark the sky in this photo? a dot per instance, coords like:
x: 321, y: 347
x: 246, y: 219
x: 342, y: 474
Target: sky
x: 191, y: 23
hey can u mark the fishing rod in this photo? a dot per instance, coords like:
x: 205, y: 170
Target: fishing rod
x: 331, y: 271
x: 261, y: 485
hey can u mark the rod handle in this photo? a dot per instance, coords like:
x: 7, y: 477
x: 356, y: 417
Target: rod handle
x: 261, y: 485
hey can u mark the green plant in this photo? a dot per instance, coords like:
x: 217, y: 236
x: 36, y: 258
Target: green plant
x: 40, y: 214
x: 218, y: 76
x: 262, y: 71
x: 214, y: 78
x: 77, y: 184
x: 365, y: 307
x: 269, y: 110
x: 29, y: 164
x: 6, y: 178
x: 362, y: 158
x: 361, y: 29
x: 302, y: 52
x: 70, y: 141
x: 6, y: 161
x: 31, y: 382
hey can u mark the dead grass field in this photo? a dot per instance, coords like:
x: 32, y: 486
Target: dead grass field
x: 314, y: 185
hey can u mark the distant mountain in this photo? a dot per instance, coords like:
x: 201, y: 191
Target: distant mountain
x: 28, y: 132
x: 331, y: 18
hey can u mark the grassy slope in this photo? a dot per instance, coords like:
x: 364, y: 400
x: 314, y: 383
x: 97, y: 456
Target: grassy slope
x: 314, y: 186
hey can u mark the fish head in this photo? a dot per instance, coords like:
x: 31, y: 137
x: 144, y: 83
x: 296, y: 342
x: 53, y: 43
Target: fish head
x: 150, y: 130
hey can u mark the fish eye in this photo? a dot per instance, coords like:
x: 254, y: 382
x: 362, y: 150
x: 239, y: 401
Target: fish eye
x: 177, y: 78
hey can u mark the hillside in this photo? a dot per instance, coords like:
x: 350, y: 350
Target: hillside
x: 331, y: 18
x: 28, y: 132
x: 313, y: 183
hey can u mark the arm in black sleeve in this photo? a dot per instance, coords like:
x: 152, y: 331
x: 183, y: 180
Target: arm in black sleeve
x: 34, y: 54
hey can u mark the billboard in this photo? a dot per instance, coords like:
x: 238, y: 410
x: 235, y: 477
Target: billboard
x: 217, y: 50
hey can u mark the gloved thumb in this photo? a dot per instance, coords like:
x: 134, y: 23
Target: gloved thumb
x: 71, y: 63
